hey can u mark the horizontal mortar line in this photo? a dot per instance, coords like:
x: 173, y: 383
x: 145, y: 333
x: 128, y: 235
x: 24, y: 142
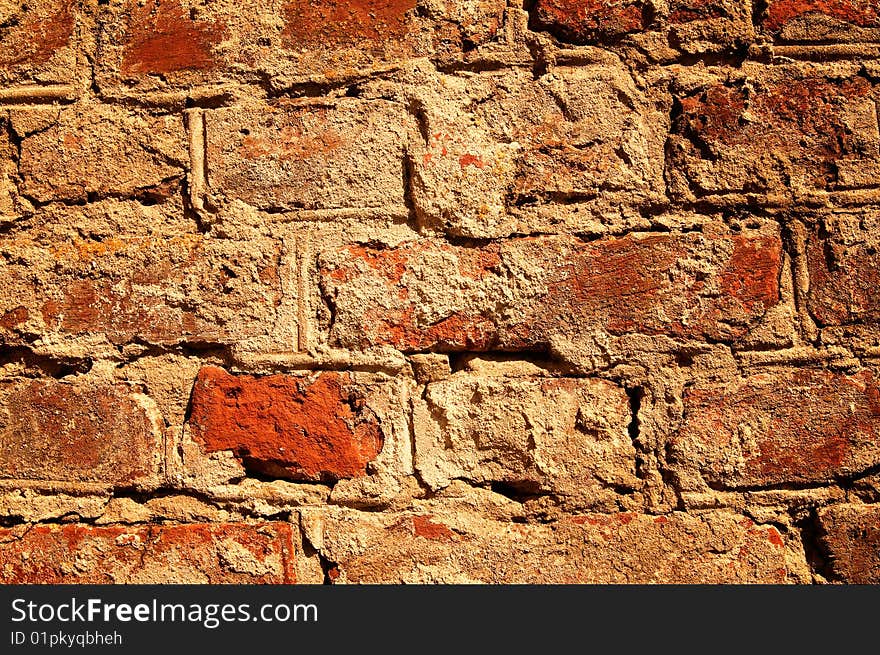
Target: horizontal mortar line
x: 834, y: 49
x: 304, y: 361
x: 38, y: 94
x: 297, y: 214
x: 772, y: 201
x: 796, y: 354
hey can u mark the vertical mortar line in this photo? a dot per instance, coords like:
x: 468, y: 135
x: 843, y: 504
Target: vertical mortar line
x: 304, y: 254
x: 195, y: 124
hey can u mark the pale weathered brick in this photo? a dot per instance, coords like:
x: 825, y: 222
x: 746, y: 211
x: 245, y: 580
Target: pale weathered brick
x: 850, y: 536
x: 96, y: 150
x: 501, y: 144
x: 290, y: 156
x: 201, y: 553
x: 463, y: 547
x: 156, y: 288
x: 567, y: 437
x: 520, y: 294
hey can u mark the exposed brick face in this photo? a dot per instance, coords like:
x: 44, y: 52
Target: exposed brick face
x: 103, y: 151
x: 230, y: 553
x: 863, y: 13
x: 568, y: 286
x: 301, y: 428
x: 21, y: 54
x: 844, y: 271
x: 786, y: 427
x: 799, y: 133
x: 589, y: 21
x: 600, y: 548
x: 164, y: 38
x: 85, y: 431
x: 851, y: 539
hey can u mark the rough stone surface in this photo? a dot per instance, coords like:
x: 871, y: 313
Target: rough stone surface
x: 567, y: 436
x: 220, y: 553
x: 288, y: 156
x: 98, y: 151
x: 461, y: 547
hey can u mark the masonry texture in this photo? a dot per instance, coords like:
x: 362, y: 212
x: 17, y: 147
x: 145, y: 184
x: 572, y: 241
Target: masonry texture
x: 381, y: 291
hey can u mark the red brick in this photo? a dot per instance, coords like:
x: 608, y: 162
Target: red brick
x: 35, y: 40
x: 161, y: 37
x: 563, y: 436
x: 336, y: 23
x: 80, y: 431
x: 844, y: 276
x: 791, y: 133
x: 862, y: 13
x: 98, y: 150
x: 312, y: 157
x: 155, y: 289
x: 708, y: 24
x: 688, y: 11
x: 429, y: 295
x: 851, y: 540
x: 791, y: 426
x: 315, y: 428
x: 590, y: 21
x: 223, y: 553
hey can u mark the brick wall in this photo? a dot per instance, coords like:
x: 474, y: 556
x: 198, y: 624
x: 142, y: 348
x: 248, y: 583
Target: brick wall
x: 407, y: 290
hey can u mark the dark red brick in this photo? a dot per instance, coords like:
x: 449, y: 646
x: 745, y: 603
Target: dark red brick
x: 223, y: 553
x: 369, y: 23
x: 427, y: 295
x: 851, y: 540
x: 590, y: 21
x: 788, y: 133
x: 163, y: 37
x: 81, y: 431
x: 863, y: 13
x: 791, y: 426
x: 310, y: 428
